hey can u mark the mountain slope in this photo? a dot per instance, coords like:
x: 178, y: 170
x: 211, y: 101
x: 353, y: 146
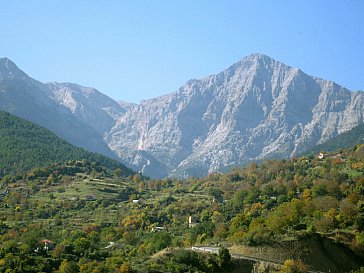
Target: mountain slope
x: 257, y: 108
x: 34, y: 101
x: 25, y: 145
x: 344, y: 140
x: 88, y: 105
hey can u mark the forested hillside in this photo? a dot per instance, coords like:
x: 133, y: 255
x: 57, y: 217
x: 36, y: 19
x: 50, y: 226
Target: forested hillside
x: 301, y: 214
x: 25, y: 145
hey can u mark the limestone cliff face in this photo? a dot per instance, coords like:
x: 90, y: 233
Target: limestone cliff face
x: 257, y: 108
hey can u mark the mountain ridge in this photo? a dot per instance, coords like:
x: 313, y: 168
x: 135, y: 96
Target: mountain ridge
x: 9, y: 69
x: 256, y: 108
x: 217, y: 121
x: 30, y: 99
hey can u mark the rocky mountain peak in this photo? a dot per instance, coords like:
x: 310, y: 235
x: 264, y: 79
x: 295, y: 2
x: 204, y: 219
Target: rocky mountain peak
x: 9, y: 70
x: 257, y: 58
x: 256, y: 108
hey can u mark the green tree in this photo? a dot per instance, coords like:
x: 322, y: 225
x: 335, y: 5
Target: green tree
x: 125, y: 268
x: 224, y: 258
x: 159, y: 240
x: 81, y: 246
x: 359, y: 239
x: 118, y: 172
x: 68, y: 267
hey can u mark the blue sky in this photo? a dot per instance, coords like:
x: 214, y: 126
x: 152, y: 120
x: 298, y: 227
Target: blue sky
x: 134, y: 50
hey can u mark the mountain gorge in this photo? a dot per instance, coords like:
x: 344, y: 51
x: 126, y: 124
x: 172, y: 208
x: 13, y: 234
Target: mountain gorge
x: 257, y: 108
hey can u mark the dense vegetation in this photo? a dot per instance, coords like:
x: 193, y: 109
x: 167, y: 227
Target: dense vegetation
x: 102, y: 222
x: 25, y: 145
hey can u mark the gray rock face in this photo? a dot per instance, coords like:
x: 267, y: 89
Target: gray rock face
x: 88, y: 105
x: 37, y: 102
x: 8, y: 70
x: 257, y: 108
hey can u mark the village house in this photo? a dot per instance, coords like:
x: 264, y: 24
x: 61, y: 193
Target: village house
x: 218, y: 199
x: 110, y: 245
x: 321, y: 156
x: 339, y: 156
x: 139, y: 201
x: 156, y: 229
x: 190, y: 223
x: 47, y: 245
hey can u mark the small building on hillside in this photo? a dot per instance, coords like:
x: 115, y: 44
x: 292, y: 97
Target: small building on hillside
x: 321, y: 156
x: 156, y: 229
x: 191, y: 224
x: 139, y: 201
x: 47, y: 245
x: 110, y: 245
x: 218, y: 199
x: 113, y: 245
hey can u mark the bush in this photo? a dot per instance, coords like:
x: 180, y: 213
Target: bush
x: 360, y: 270
x: 359, y: 238
x: 292, y: 266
